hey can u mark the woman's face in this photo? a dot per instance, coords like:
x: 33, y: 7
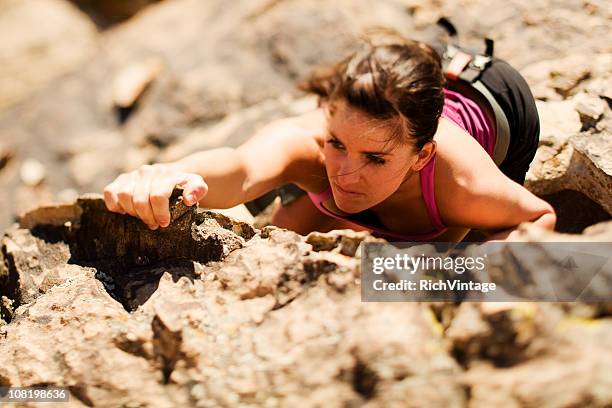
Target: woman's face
x: 363, y: 164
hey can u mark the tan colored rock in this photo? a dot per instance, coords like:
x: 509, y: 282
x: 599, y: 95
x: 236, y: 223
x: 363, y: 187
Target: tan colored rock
x: 131, y: 81
x: 590, y: 107
x: 85, y: 167
x: 99, y: 141
x: 275, y: 318
x: 561, y: 78
x: 601, y: 232
x: 574, y: 152
x: 41, y: 40
x: 601, y: 86
x: 239, y: 212
x: 72, y: 337
x: 54, y: 214
x: 231, y: 129
x: 559, y: 121
x: 591, y: 169
x: 562, y: 378
x: 67, y: 195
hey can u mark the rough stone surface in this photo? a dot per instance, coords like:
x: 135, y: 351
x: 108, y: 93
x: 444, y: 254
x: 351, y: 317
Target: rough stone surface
x: 575, y: 147
x: 40, y: 33
x: 215, y: 312
x: 221, y: 314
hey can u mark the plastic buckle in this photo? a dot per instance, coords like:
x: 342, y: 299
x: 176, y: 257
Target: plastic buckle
x: 450, y: 51
x: 457, y: 65
x: 480, y: 62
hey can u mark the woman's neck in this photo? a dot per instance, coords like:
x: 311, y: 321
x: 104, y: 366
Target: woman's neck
x: 410, y: 189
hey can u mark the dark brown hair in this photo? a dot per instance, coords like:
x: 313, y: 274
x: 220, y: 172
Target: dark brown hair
x: 391, y: 78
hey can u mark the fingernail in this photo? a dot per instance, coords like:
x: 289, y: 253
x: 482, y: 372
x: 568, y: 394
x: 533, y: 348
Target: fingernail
x: 153, y: 228
x: 164, y: 224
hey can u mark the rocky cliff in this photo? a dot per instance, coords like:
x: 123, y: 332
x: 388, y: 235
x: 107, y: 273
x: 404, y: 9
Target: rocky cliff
x: 214, y: 311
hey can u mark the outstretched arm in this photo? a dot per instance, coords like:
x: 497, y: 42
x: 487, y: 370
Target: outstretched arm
x: 472, y: 192
x: 547, y: 220
x: 497, y: 205
x: 217, y: 178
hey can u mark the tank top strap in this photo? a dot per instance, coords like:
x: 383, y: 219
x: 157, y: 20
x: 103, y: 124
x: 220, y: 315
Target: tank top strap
x: 324, y: 195
x: 429, y: 196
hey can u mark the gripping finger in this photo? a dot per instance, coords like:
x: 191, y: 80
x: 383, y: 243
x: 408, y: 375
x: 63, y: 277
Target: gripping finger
x: 125, y: 192
x: 160, y: 193
x: 141, y: 200
x: 111, y: 199
x: 194, y: 188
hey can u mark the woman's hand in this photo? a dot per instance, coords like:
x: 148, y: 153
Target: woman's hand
x: 144, y: 193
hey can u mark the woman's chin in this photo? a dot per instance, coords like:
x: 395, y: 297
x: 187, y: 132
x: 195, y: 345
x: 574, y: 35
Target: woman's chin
x: 348, y: 206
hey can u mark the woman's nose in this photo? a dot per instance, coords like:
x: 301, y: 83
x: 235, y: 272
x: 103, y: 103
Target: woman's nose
x: 348, y: 172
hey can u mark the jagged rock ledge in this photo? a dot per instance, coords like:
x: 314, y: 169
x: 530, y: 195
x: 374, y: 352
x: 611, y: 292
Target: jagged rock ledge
x: 213, y: 312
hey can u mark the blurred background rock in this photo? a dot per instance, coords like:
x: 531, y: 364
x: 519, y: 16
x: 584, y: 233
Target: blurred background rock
x: 91, y: 88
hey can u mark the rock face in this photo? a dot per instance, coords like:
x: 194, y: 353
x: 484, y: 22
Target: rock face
x: 215, y: 312
x: 574, y: 149
x: 35, y: 33
x: 212, y: 312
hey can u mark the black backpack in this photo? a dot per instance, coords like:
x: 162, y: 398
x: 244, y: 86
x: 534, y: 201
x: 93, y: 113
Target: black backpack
x: 463, y: 68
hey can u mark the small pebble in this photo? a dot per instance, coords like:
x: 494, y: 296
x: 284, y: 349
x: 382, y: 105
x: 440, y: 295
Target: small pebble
x: 32, y: 172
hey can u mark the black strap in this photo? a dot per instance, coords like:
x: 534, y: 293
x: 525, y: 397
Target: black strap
x: 470, y: 77
x: 489, y: 44
x: 448, y: 26
x: 259, y: 204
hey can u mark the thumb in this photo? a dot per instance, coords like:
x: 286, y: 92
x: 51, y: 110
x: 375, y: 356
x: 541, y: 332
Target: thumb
x: 194, y: 188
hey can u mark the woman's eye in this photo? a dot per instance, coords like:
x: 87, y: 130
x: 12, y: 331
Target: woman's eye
x: 375, y: 159
x: 335, y: 144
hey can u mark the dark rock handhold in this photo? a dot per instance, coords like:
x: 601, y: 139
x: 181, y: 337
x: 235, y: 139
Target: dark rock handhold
x: 120, y: 247
x: 127, y: 241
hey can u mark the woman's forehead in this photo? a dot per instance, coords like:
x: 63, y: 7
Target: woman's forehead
x: 345, y: 123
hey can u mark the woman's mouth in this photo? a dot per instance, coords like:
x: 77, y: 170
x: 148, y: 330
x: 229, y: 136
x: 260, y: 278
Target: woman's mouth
x: 347, y: 192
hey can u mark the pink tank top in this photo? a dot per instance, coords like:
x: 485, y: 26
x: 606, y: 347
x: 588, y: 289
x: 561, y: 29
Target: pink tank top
x: 471, y: 118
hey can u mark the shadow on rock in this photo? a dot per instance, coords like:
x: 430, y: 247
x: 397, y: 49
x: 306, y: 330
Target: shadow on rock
x: 125, y: 255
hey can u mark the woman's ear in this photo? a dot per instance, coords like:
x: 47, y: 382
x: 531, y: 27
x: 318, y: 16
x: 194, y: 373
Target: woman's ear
x: 324, y: 103
x: 426, y: 153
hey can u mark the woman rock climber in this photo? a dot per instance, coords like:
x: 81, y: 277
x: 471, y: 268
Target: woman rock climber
x: 391, y: 148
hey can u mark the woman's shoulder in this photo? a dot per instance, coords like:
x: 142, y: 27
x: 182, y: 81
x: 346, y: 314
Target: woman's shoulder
x: 456, y: 152
x: 463, y: 169
x: 461, y: 166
